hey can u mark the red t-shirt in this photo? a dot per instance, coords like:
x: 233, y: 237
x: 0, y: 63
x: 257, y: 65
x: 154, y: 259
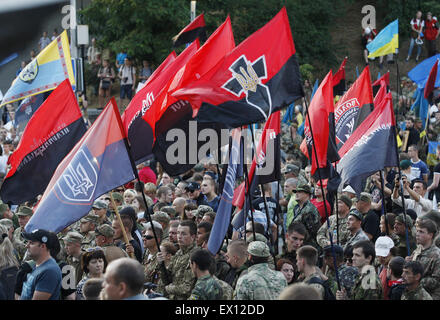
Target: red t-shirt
x: 320, y: 206
x: 431, y: 29
x: 146, y: 174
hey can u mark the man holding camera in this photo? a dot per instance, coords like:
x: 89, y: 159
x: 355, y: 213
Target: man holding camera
x: 417, y: 202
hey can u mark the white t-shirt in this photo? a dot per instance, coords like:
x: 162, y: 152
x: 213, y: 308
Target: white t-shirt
x: 127, y: 72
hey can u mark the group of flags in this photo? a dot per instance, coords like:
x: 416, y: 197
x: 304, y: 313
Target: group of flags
x: 217, y: 84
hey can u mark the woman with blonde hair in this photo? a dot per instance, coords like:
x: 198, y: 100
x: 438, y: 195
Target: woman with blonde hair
x: 8, y: 266
x: 129, y: 195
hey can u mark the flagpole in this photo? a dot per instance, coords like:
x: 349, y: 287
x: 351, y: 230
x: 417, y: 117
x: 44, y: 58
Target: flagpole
x: 278, y: 219
x: 247, y: 190
x: 118, y: 216
x: 322, y: 191
x: 382, y: 185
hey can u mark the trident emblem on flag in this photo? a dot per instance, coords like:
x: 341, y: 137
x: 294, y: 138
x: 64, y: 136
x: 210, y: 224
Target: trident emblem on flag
x: 246, y: 77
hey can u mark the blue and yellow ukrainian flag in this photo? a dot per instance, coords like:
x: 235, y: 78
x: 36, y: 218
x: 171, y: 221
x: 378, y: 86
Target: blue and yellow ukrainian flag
x: 49, y: 68
x: 386, y: 42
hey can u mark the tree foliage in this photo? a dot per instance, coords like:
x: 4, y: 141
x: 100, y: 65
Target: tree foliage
x: 145, y: 28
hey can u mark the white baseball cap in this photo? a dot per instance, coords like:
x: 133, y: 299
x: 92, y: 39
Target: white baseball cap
x: 349, y: 189
x: 383, y: 246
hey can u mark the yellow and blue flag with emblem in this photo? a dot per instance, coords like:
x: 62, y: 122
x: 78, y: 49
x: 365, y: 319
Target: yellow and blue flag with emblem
x: 386, y: 42
x: 44, y: 73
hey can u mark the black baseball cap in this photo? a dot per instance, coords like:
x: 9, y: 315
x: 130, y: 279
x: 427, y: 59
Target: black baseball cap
x: 192, y: 186
x: 42, y: 236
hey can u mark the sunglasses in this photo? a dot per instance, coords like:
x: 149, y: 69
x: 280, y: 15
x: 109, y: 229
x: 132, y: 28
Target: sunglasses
x: 349, y: 260
x: 148, y: 237
x: 94, y: 249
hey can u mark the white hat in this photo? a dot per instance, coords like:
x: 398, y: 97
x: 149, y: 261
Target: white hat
x: 367, y: 30
x: 383, y: 246
x: 349, y: 189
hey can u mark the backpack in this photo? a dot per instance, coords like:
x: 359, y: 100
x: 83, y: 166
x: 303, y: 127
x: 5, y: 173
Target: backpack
x: 8, y: 278
x: 328, y: 294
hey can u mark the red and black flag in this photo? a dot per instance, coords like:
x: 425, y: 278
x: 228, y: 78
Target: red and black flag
x: 141, y: 133
x: 51, y: 133
x: 257, y: 78
x: 172, y: 113
x: 196, y: 29
x: 378, y: 83
x: 339, y: 80
x: 430, y: 83
x: 353, y: 107
x: 320, y: 113
x: 266, y: 165
x: 380, y: 95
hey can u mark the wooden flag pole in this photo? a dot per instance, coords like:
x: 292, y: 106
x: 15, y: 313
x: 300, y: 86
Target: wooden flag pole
x: 118, y: 216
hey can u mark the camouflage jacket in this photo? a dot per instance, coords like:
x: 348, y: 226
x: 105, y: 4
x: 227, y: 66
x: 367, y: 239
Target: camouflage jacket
x: 207, y: 288
x: 227, y: 289
x: 88, y: 241
x: 183, y: 279
x: 151, y: 268
x: 222, y: 267
x: 367, y: 285
x: 401, y: 244
x: 418, y: 294
x: 430, y: 260
x: 76, y: 263
x: 261, y: 283
x: 317, y: 286
x: 18, y: 243
x: 358, y: 236
x: 323, y: 237
x: 234, y: 274
x: 166, y: 235
x: 347, y: 278
x: 309, y: 216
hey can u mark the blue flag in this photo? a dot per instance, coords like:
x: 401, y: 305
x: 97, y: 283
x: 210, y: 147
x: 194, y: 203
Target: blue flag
x: 420, y: 73
x: 223, y: 217
x: 420, y: 105
x: 27, y: 108
x: 98, y: 163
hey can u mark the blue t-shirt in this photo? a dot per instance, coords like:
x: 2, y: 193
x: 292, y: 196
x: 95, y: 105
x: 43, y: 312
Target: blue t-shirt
x: 120, y: 57
x: 45, y: 278
x: 213, y: 203
x: 418, y: 169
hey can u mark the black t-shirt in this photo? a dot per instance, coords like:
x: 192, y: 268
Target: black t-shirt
x: 272, y: 206
x: 370, y: 224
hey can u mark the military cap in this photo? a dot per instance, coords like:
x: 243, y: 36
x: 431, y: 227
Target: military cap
x: 202, y: 209
x: 409, y: 222
x: 356, y: 213
x: 366, y: 197
x: 304, y: 188
x: 105, y: 230
x: 91, y: 217
x: 24, y: 211
x: 291, y: 168
x: 169, y: 210
x: 198, y: 167
x: 346, y: 200
x: 99, y: 204
x: 327, y: 251
x: 258, y: 249
x: 73, y: 236
x: 117, y: 196
x: 161, y: 216
x: 7, y: 223
x: 3, y: 207
x: 405, y: 164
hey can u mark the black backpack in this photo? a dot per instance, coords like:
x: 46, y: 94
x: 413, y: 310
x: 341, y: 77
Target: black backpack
x: 8, y: 278
x: 328, y: 294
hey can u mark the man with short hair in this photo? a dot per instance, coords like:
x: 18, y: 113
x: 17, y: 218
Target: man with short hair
x: 295, y: 235
x: 164, y: 219
x: 419, y: 169
x: 210, y: 197
x: 165, y: 195
x: 206, y: 287
x: 306, y: 213
x: 104, y: 238
x: 428, y: 254
x: 208, y: 217
x: 412, y: 276
x: 367, y: 285
x: 370, y: 220
x: 354, y: 222
x: 202, y: 228
x: 300, y: 291
x: 260, y: 283
x: 173, y: 233
x: 417, y: 202
x: 124, y: 280
x: 306, y: 259
x: 131, y: 247
x: 179, y: 205
x: 24, y: 215
x: 44, y: 282
x: 178, y: 277
x: 344, y: 204
x: 180, y: 190
x: 150, y: 261
x: 289, y: 200
x: 236, y: 256
x: 72, y: 242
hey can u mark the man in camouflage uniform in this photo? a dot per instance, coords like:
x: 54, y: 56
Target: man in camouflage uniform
x: 100, y: 208
x: 323, y: 238
x: 260, y: 283
x: 201, y: 210
x: 87, y: 228
x: 73, y: 242
x: 164, y: 219
x: 104, y: 238
x: 354, y: 222
x: 24, y: 215
x: 428, y: 254
x: 367, y: 285
x: 150, y: 258
x: 178, y: 277
x: 170, y: 210
x: 412, y: 275
x: 206, y: 287
x: 306, y: 213
x: 347, y: 275
x: 62, y: 255
x: 306, y: 260
x: 399, y: 231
